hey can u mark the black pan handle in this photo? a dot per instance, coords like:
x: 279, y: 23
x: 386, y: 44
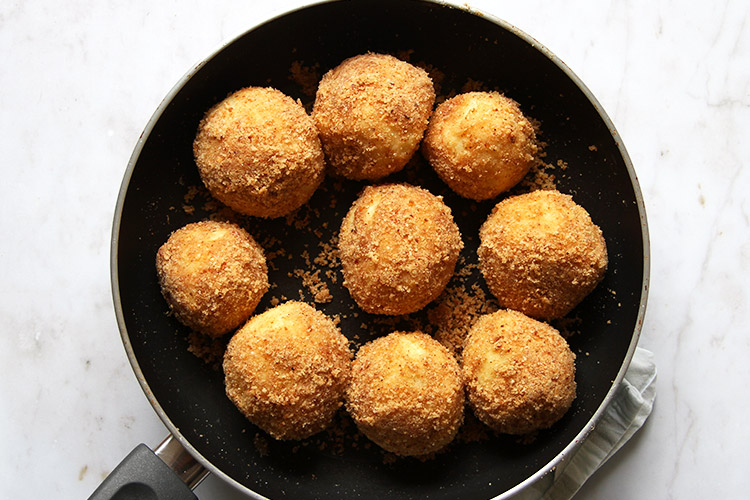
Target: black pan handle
x: 170, y: 473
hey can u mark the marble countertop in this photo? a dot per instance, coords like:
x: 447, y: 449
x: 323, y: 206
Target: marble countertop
x: 78, y: 84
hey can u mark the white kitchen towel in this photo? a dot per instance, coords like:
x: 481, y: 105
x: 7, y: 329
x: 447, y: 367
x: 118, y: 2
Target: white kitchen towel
x: 626, y: 413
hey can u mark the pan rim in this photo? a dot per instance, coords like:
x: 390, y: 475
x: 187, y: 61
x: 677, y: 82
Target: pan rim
x: 569, y: 450
x: 114, y: 244
x: 560, y: 459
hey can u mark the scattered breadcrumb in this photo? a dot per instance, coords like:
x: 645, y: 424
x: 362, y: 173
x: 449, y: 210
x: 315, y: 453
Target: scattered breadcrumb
x: 306, y: 77
x: 207, y: 349
x: 455, y: 312
x: 318, y: 267
x: 473, y: 430
x: 329, y: 253
x: 472, y: 85
x: 540, y: 176
x: 568, y: 326
x: 315, y: 285
x: 299, y: 218
x: 261, y: 444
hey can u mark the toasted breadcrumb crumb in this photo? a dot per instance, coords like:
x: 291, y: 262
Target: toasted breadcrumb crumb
x: 448, y: 318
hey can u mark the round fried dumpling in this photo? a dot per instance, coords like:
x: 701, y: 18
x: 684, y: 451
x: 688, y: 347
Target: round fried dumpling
x: 258, y: 152
x: 371, y: 112
x: 519, y: 372
x: 406, y: 393
x: 398, y: 246
x: 212, y: 274
x: 541, y: 254
x: 287, y: 369
x: 480, y: 144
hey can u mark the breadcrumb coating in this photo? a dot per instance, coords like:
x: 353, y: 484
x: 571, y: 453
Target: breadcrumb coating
x: 258, y: 152
x: 519, y: 373
x: 290, y: 369
x: 541, y: 254
x: 398, y: 247
x: 406, y: 393
x: 287, y: 369
x: 480, y: 144
x: 212, y: 274
x: 371, y: 112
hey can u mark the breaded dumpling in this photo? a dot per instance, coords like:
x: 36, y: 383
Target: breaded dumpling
x: 212, y: 274
x: 541, y: 254
x: 258, y: 152
x: 398, y: 247
x: 371, y: 112
x: 519, y: 373
x: 406, y: 393
x: 480, y: 144
x: 287, y: 370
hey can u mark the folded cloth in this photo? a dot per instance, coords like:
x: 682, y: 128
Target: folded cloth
x: 625, y: 414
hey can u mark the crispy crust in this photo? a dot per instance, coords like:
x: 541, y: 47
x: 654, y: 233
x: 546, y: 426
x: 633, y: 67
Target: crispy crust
x: 212, y: 274
x: 541, y: 254
x: 258, y: 152
x: 398, y: 247
x: 519, y: 373
x: 287, y: 369
x: 406, y: 393
x: 371, y: 112
x: 480, y: 144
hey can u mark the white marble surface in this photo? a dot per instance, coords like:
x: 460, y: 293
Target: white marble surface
x: 80, y: 79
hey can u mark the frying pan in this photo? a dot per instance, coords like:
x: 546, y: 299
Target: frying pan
x: 161, y: 192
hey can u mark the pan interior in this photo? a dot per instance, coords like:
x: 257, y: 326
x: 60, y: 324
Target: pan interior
x: 164, y: 192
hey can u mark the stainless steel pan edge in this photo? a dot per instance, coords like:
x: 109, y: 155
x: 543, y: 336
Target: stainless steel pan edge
x: 114, y: 264
x: 560, y: 459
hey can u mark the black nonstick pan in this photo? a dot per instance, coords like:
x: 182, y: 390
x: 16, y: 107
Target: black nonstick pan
x: 162, y: 191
